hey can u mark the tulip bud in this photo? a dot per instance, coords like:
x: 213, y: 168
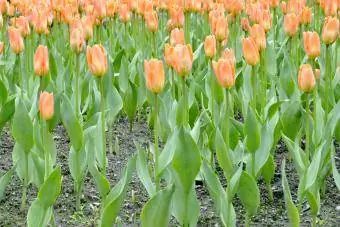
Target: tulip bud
x: 245, y: 24
x: 124, y: 13
x: 41, y: 62
x: 15, y: 40
x: 331, y: 8
x: 266, y: 20
x: 168, y: 54
x: 151, y: 20
x: 97, y: 60
x: 284, y: 7
x: 259, y: 36
x: 228, y: 54
x: 306, y: 79
x: 225, y: 72
x: 1, y: 21
x: 311, y: 43
x: 154, y: 75
x: 330, y: 30
x: 46, y: 105
x: 221, y: 29
x: 183, y: 58
x: 88, y: 27
x: 250, y: 51
x: 291, y: 24
x: 210, y: 46
x: 77, y: 40
x: 177, y: 37
x: 306, y: 15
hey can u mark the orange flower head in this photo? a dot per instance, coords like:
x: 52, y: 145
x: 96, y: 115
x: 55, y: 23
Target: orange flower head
x: 22, y: 24
x: 41, y: 61
x: 228, y: 54
x: 176, y: 36
x: 183, y: 58
x: 306, y: 15
x: 245, y: 24
x: 330, y: 31
x: 124, y: 13
x: 88, y: 22
x: 265, y: 20
x: 250, y: 51
x: 225, y: 72
x: 311, y: 43
x: 259, y: 36
x: 46, y: 105
x: 154, y: 75
x: 220, y: 28
x: 97, y: 60
x: 77, y: 40
x: 306, y: 79
x: 151, y: 20
x: 210, y: 46
x: 291, y: 24
x: 16, y: 41
x: 331, y: 8
x: 169, y: 54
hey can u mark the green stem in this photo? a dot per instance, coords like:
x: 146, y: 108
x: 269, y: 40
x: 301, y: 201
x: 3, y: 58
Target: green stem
x: 77, y: 86
x: 327, y: 80
x: 102, y: 107
x: 46, y: 152
x: 24, y: 189
x: 247, y: 223
x: 156, y: 143
x: 253, y: 158
x: 212, y: 93
x: 264, y: 82
x: 173, y: 83
x: 307, y: 148
x: 314, y: 221
x: 227, y: 106
x: 254, y: 86
x: 153, y: 40
x: 185, y: 104
x: 270, y: 193
x: 187, y: 27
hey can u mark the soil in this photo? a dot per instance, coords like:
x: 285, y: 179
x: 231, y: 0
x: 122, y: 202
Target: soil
x: 270, y: 214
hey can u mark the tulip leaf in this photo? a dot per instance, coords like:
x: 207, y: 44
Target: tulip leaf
x: 7, y: 112
x: 268, y: 170
x: 50, y: 190
x: 114, y: 200
x: 38, y: 215
x: 291, y: 120
x: 4, y: 181
x: 130, y: 101
x: 22, y: 126
x: 313, y: 169
x: 156, y: 212
x: 314, y: 202
x: 249, y: 193
x: 297, y: 153
x: 336, y: 174
x: 223, y: 155
x: 252, y: 131
x: 3, y: 92
x: 71, y: 123
x: 143, y: 171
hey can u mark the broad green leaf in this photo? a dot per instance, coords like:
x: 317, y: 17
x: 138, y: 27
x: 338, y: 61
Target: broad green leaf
x: 50, y: 190
x: 4, y: 181
x: 336, y: 174
x: 38, y: 215
x: 252, y: 131
x: 22, y: 126
x: 3, y: 92
x: 166, y: 156
x: 318, y: 131
x: 71, y: 124
x: 114, y: 200
x: 130, y: 101
x: 77, y: 162
x: 156, y: 212
x: 103, y: 185
x: 249, y: 193
x: 296, y: 152
x: 292, y: 120
x: 268, y: 170
x: 314, y: 202
x: 234, y: 184
x: 313, y: 169
x: 143, y: 171
x: 7, y: 112
x: 114, y: 103
x: 223, y: 155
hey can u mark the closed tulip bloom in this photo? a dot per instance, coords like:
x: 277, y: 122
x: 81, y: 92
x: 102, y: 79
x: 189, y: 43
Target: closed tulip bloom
x: 46, y: 105
x: 274, y: 3
x: 259, y: 36
x: 221, y: 29
x: 250, y: 51
x: 124, y: 13
x: 16, y: 41
x: 97, y: 60
x: 111, y: 8
x: 331, y: 8
x: 77, y: 40
x: 225, y: 72
x: 210, y: 46
x: 88, y: 27
x: 168, y: 54
x: 154, y: 75
x: 330, y: 31
x: 245, y: 24
x: 266, y: 20
x: 283, y: 7
x: 4, y: 5
x: 151, y: 20
x: 311, y: 43
x: 41, y: 61
x: 177, y: 36
x: 291, y: 24
x: 306, y: 79
x: 228, y: 54
x: 306, y: 15
x: 183, y: 58
x: 100, y: 9
x: 2, y: 45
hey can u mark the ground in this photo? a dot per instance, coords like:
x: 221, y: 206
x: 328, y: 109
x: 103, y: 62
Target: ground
x: 270, y: 214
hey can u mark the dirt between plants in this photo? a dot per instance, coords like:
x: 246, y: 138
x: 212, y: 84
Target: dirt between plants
x: 269, y: 214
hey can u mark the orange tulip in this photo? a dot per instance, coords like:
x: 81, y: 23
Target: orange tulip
x: 177, y: 36
x: 259, y: 36
x: 151, y: 20
x: 77, y: 40
x: 250, y: 51
x: 87, y: 22
x: 22, y: 24
x: 330, y: 31
x: 154, y: 75
x: 183, y: 58
x: 4, y: 5
x: 306, y: 79
x: 274, y: 3
x: 283, y: 7
x: 245, y: 24
x: 41, y: 62
x: 39, y: 21
x: 16, y: 41
x: 306, y: 15
x: 168, y: 54
x: 99, y: 9
x: 311, y: 43
x: 2, y: 45
x: 124, y: 13
x: 46, y: 105
x: 291, y: 24
x: 220, y: 28
x: 225, y: 72
x: 111, y: 8
x: 210, y: 46
x: 176, y: 17
x: 331, y: 8
x: 228, y: 54
x: 97, y: 60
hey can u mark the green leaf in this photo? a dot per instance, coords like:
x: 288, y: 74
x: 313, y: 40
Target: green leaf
x: 336, y: 174
x: 71, y: 124
x: 156, y: 212
x: 50, y: 189
x: 7, y: 112
x: 101, y: 181
x: 223, y: 155
x: 143, y: 171
x: 314, y: 202
x: 252, y: 131
x: 22, y: 126
x: 234, y: 184
x: 186, y: 161
x: 115, y: 198
x: 292, y: 211
x: 130, y: 101
x: 313, y: 169
x: 292, y: 120
x: 3, y: 93
x: 4, y: 181
x: 38, y: 215
x: 249, y: 193
x: 268, y: 170
x: 296, y: 151
x: 114, y: 103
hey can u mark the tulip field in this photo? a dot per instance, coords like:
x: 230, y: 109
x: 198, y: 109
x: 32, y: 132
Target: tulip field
x: 169, y: 113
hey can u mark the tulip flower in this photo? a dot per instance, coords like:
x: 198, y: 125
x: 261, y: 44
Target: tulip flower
x: 306, y: 79
x: 259, y: 36
x: 124, y: 13
x: 245, y: 24
x: 2, y: 45
x: 16, y: 41
x: 183, y: 58
x: 151, y: 20
x: 88, y: 27
x: 291, y: 24
x: 210, y: 46
x: 22, y: 24
x: 228, y: 54
x: 41, y: 61
x: 97, y: 60
x: 311, y: 43
x: 77, y: 40
x: 250, y: 51
x: 177, y: 37
x: 220, y: 28
x: 331, y: 8
x: 225, y: 72
x: 154, y: 75
x: 306, y: 15
x: 168, y: 54
x: 330, y: 31
x: 46, y: 105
